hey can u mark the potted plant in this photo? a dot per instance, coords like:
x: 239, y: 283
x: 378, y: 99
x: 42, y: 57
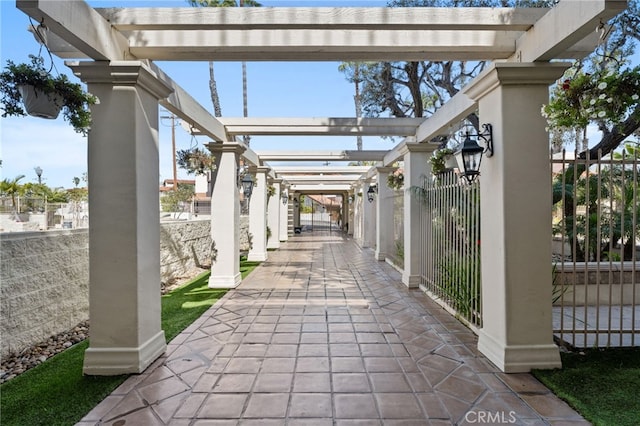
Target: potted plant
x: 395, y: 180
x: 441, y: 161
x: 29, y: 88
x: 196, y: 161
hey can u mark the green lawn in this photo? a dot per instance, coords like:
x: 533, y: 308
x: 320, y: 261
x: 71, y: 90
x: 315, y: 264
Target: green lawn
x: 56, y: 392
x: 602, y: 384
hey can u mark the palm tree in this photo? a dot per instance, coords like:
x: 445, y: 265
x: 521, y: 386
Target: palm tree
x: 215, y: 98
x: 354, y: 75
x: 11, y: 188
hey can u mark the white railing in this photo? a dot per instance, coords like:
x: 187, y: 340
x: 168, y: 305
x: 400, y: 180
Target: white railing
x: 596, y: 293
x: 450, y: 229
x: 397, y: 253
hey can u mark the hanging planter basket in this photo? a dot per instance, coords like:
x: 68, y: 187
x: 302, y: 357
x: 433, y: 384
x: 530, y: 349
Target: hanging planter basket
x: 40, y: 104
x: 450, y: 162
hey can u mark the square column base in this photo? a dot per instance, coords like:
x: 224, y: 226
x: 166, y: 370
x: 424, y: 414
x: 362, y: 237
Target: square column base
x: 116, y: 361
x: 231, y: 281
x: 257, y: 257
x: 273, y: 244
x: 519, y: 358
x: 411, y: 281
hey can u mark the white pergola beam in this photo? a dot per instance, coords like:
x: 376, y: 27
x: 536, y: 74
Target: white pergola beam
x: 321, y: 126
x: 454, y: 110
x: 182, y: 104
x: 424, y: 18
x: 564, y: 26
x: 319, y: 178
x: 79, y: 25
x: 321, y: 45
x: 320, y: 189
x: 346, y: 155
x: 313, y: 34
x: 287, y: 170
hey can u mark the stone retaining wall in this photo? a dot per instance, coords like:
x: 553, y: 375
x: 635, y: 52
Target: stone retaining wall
x: 44, y: 277
x: 599, y: 284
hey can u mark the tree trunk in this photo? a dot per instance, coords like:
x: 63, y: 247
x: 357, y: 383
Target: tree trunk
x: 215, y: 99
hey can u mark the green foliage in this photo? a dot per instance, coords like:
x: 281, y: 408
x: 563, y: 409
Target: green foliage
x: 607, y: 96
x: 196, y: 161
x: 75, y: 101
x: 271, y: 191
x: 185, y: 304
x: 460, y: 283
x: 177, y: 199
x: 56, y: 392
x: 395, y: 180
x: 601, y: 384
x: 268, y: 233
x: 11, y: 188
x: 600, y: 205
x: 438, y: 160
x: 400, y: 249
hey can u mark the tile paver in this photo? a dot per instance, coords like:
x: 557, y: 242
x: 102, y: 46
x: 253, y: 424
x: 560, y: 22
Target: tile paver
x: 322, y: 334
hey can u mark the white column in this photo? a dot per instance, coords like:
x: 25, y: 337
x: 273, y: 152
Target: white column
x: 515, y: 197
x: 274, y: 206
x: 368, y: 218
x: 416, y: 167
x: 296, y: 209
x: 258, y: 216
x: 225, y: 216
x: 350, y: 208
x: 124, y: 233
x: 384, y: 214
x: 357, y: 215
x: 284, y: 216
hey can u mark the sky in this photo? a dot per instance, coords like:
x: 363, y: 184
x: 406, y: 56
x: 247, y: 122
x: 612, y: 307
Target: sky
x: 284, y: 89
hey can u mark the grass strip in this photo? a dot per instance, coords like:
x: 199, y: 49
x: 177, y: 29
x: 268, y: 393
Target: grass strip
x: 56, y: 392
x: 601, y: 384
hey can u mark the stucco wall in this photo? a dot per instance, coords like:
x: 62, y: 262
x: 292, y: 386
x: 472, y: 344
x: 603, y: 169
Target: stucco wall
x: 44, y: 277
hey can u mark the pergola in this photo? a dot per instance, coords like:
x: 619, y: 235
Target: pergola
x: 121, y: 45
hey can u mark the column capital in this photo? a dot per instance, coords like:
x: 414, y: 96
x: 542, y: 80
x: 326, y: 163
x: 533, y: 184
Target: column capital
x: 235, y: 147
x: 514, y: 73
x: 417, y: 147
x: 122, y: 73
x: 385, y: 169
x: 261, y: 169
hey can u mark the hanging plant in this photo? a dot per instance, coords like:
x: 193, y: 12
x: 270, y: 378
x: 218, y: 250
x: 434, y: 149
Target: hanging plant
x: 395, y: 180
x: 439, y: 159
x: 30, y: 89
x: 271, y: 191
x: 196, y: 161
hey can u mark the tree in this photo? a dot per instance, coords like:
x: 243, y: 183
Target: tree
x: 196, y: 161
x: 601, y: 91
x: 353, y: 73
x: 177, y: 200
x: 418, y: 89
x: 215, y: 98
x: 11, y: 188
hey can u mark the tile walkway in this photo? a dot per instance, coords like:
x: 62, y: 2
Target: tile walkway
x: 322, y: 334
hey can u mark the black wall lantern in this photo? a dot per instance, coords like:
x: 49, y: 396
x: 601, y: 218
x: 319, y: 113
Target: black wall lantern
x: 351, y: 198
x: 247, y: 185
x: 469, y: 154
x: 371, y: 192
x: 284, y: 197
